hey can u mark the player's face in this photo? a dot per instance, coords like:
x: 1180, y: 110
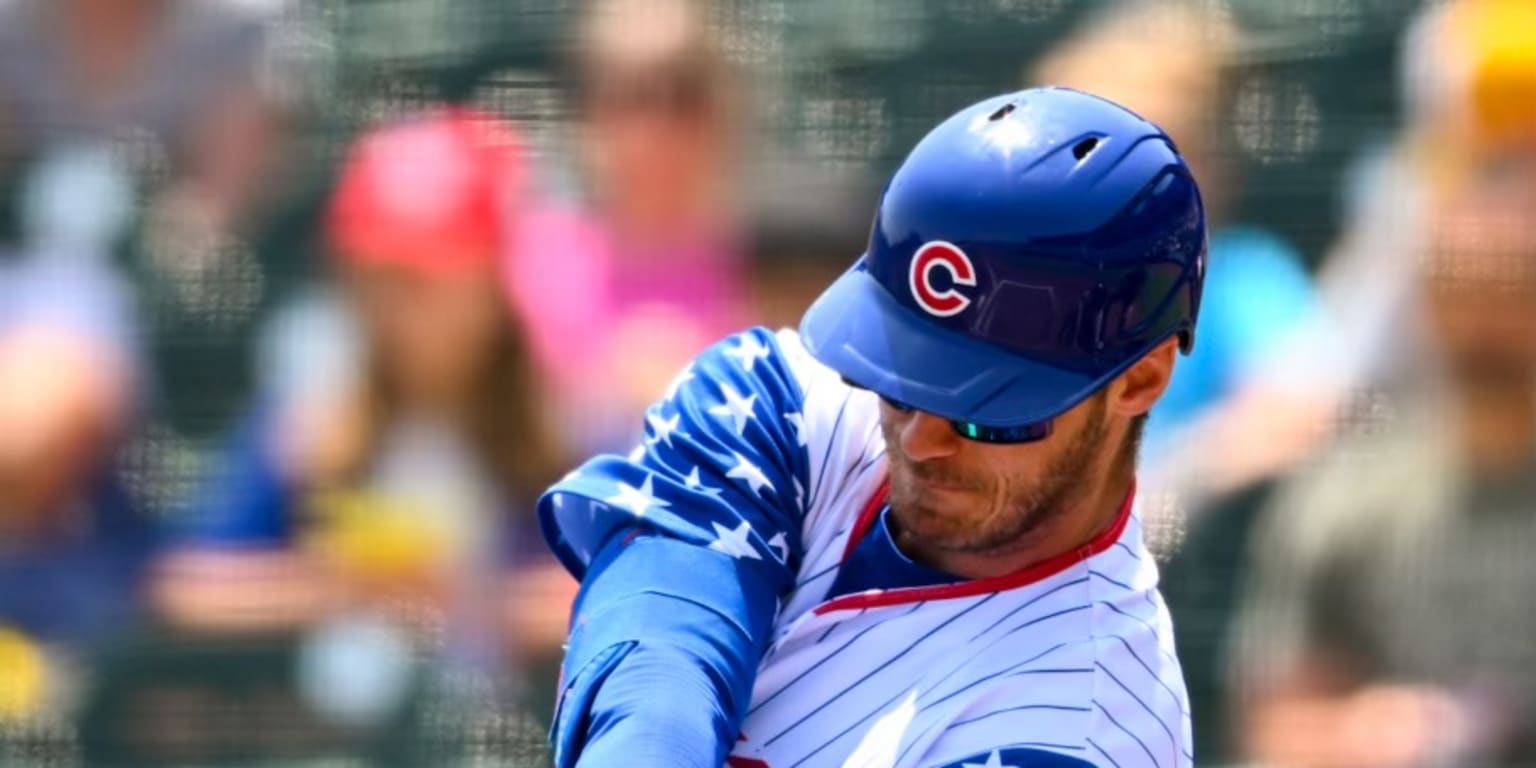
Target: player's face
x: 958, y: 495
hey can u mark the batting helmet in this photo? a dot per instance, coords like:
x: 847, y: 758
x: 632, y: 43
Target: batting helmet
x: 1028, y: 250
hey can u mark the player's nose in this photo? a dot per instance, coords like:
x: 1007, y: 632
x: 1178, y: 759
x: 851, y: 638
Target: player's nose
x: 925, y: 436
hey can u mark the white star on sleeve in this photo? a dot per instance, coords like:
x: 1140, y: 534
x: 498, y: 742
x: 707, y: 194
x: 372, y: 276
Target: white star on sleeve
x: 640, y: 500
x: 663, y: 428
x: 737, y: 408
x: 995, y: 760
x: 683, y: 377
x: 780, y: 545
x: 733, y: 541
x: 754, y: 477
x: 748, y: 351
x: 694, y: 483
x: 797, y: 420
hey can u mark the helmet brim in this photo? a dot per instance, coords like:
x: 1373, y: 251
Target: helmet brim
x: 859, y: 330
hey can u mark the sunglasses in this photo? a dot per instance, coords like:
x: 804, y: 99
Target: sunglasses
x: 981, y: 433
x: 676, y: 92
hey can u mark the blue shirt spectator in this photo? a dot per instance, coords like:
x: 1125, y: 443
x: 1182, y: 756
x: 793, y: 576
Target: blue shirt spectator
x: 1257, y: 295
x: 80, y: 585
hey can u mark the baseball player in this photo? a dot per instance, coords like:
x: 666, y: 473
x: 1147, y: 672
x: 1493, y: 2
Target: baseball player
x: 906, y: 535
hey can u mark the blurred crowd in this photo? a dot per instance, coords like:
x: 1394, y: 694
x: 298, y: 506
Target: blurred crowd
x: 271, y: 496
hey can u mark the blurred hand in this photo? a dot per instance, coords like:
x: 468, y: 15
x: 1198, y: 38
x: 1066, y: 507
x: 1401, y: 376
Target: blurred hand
x: 1262, y: 432
x: 244, y: 591
x: 62, y: 399
x: 537, y: 607
x: 280, y: 590
x: 1380, y: 726
x: 1399, y: 726
x: 1257, y: 433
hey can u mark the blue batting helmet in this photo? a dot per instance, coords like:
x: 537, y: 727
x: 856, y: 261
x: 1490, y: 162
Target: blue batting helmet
x: 1028, y: 250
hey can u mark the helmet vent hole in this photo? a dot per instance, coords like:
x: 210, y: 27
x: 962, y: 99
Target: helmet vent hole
x: 1083, y: 148
x: 1001, y: 112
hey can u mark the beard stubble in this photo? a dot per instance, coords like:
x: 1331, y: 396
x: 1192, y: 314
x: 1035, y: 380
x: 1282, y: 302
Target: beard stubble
x: 1029, y: 504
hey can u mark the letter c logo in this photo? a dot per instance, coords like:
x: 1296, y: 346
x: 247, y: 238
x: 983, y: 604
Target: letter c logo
x: 938, y: 254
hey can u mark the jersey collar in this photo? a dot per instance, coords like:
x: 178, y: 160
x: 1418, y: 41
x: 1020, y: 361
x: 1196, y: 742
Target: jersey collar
x: 1035, y: 573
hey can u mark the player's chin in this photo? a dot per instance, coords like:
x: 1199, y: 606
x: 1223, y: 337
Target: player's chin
x: 937, y: 514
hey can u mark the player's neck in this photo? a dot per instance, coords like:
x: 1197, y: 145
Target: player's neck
x: 1069, y: 529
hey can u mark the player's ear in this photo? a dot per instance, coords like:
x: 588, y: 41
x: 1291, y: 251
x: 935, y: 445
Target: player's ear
x: 1134, y: 392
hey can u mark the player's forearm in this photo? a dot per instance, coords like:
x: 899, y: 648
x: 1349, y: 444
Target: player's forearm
x: 659, y: 708
x: 663, y: 652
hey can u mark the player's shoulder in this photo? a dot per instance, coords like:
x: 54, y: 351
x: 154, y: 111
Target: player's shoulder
x: 834, y: 426
x: 840, y: 423
x: 782, y: 348
x: 801, y: 361
x: 776, y: 365
x: 757, y: 355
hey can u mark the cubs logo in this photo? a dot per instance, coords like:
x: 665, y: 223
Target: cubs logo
x: 948, y: 257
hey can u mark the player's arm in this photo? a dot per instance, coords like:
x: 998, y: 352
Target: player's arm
x: 683, y: 550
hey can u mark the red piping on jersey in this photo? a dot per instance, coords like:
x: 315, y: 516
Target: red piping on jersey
x: 867, y: 517
x: 737, y: 761
x: 1037, y: 572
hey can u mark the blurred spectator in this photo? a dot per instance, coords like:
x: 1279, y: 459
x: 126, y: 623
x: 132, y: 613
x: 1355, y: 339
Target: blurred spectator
x: 1469, y: 83
x: 620, y: 295
x: 1227, y: 407
x: 149, y: 130
x: 404, y: 435
x: 1466, y: 64
x: 1388, y: 617
x: 178, y: 77
x: 73, y: 545
x: 1174, y: 64
x: 1469, y: 80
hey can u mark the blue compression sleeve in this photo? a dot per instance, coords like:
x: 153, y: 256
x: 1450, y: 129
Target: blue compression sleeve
x: 663, y: 652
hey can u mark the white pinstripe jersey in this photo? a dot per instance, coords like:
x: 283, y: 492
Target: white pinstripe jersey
x: 1069, y: 663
